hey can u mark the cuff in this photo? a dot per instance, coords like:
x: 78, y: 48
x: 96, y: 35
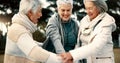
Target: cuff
x: 53, y: 58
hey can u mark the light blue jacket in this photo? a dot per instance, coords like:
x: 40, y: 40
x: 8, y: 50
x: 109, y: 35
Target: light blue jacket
x: 54, y: 29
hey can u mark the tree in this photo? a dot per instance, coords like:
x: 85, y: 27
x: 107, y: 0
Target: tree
x: 78, y: 11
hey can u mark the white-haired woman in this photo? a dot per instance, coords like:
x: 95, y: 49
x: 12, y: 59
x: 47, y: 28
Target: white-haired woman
x: 20, y: 47
x: 95, y: 35
x: 61, y: 28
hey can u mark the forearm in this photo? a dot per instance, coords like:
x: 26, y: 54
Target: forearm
x: 31, y: 49
x: 44, y: 56
x: 39, y: 54
x: 53, y: 33
x: 53, y: 58
x: 59, y: 47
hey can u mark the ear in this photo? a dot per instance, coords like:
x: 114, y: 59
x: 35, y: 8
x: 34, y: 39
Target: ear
x: 56, y: 9
x: 29, y: 13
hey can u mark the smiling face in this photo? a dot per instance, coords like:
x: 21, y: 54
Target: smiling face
x: 34, y: 16
x: 65, y: 11
x: 92, y: 10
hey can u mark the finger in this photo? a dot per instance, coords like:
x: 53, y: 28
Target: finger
x: 64, y: 56
x: 70, y: 61
x: 60, y: 55
x: 66, y: 60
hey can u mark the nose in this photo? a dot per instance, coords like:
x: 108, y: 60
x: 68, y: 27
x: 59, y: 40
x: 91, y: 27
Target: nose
x: 40, y: 14
x: 87, y: 11
x: 66, y: 12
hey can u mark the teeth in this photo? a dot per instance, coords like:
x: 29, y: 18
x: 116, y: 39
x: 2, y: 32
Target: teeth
x: 65, y: 16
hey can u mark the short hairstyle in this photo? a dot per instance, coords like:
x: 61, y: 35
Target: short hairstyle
x: 26, y: 5
x: 60, y: 2
x: 100, y: 4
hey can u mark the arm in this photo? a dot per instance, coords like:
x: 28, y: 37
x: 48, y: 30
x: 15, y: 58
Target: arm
x: 52, y: 30
x: 98, y: 42
x: 33, y: 51
x: 90, y: 49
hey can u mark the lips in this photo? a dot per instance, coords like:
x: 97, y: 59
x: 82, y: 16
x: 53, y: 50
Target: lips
x: 65, y: 16
x: 90, y: 14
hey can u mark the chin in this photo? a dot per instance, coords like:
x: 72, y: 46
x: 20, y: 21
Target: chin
x: 65, y: 19
x: 35, y: 22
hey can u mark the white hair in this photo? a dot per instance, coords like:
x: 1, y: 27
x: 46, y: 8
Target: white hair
x: 94, y: 0
x: 26, y: 5
x: 60, y: 2
x: 100, y: 4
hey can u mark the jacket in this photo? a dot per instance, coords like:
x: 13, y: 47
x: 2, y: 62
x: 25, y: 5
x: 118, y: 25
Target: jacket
x: 20, y: 46
x: 55, y: 31
x: 97, y: 45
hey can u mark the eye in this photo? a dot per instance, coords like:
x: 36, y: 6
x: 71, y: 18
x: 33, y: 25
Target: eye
x: 62, y: 10
x: 68, y: 10
x: 89, y: 8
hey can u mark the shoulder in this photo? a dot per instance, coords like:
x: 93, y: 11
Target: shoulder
x: 53, y: 22
x: 53, y: 19
x: 15, y: 31
x: 108, y: 20
x: 77, y: 23
x: 17, y: 27
x: 84, y: 21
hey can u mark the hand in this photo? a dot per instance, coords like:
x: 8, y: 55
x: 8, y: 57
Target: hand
x: 67, y: 58
x: 53, y: 58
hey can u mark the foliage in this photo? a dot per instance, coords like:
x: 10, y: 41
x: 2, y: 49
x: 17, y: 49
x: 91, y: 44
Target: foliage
x: 78, y: 11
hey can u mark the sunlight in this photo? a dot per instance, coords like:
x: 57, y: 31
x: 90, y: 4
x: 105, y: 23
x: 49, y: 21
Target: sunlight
x: 3, y: 28
x: 45, y: 3
x: 9, y: 11
x: 1, y: 12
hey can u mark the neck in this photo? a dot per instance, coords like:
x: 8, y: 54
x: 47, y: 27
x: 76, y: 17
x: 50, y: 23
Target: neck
x: 64, y: 21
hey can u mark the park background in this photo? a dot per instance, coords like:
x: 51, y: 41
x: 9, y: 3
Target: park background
x: 10, y: 7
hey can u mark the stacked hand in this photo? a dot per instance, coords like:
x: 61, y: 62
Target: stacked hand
x: 66, y: 57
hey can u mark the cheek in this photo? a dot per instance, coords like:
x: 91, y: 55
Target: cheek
x: 39, y: 14
x: 96, y: 12
x: 31, y: 18
x: 92, y: 11
x: 60, y: 12
x: 94, y: 15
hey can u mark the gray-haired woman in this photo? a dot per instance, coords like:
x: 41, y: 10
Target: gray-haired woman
x: 20, y: 47
x: 95, y: 34
x: 61, y: 28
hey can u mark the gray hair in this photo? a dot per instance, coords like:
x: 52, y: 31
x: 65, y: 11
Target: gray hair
x: 26, y: 5
x: 100, y: 4
x: 60, y: 2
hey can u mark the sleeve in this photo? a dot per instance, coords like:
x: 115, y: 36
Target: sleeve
x: 31, y: 49
x: 52, y: 30
x: 39, y: 43
x: 98, y: 42
x: 53, y: 58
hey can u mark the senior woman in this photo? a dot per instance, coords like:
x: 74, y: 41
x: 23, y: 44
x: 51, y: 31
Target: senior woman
x: 61, y: 28
x: 20, y: 47
x: 95, y: 34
